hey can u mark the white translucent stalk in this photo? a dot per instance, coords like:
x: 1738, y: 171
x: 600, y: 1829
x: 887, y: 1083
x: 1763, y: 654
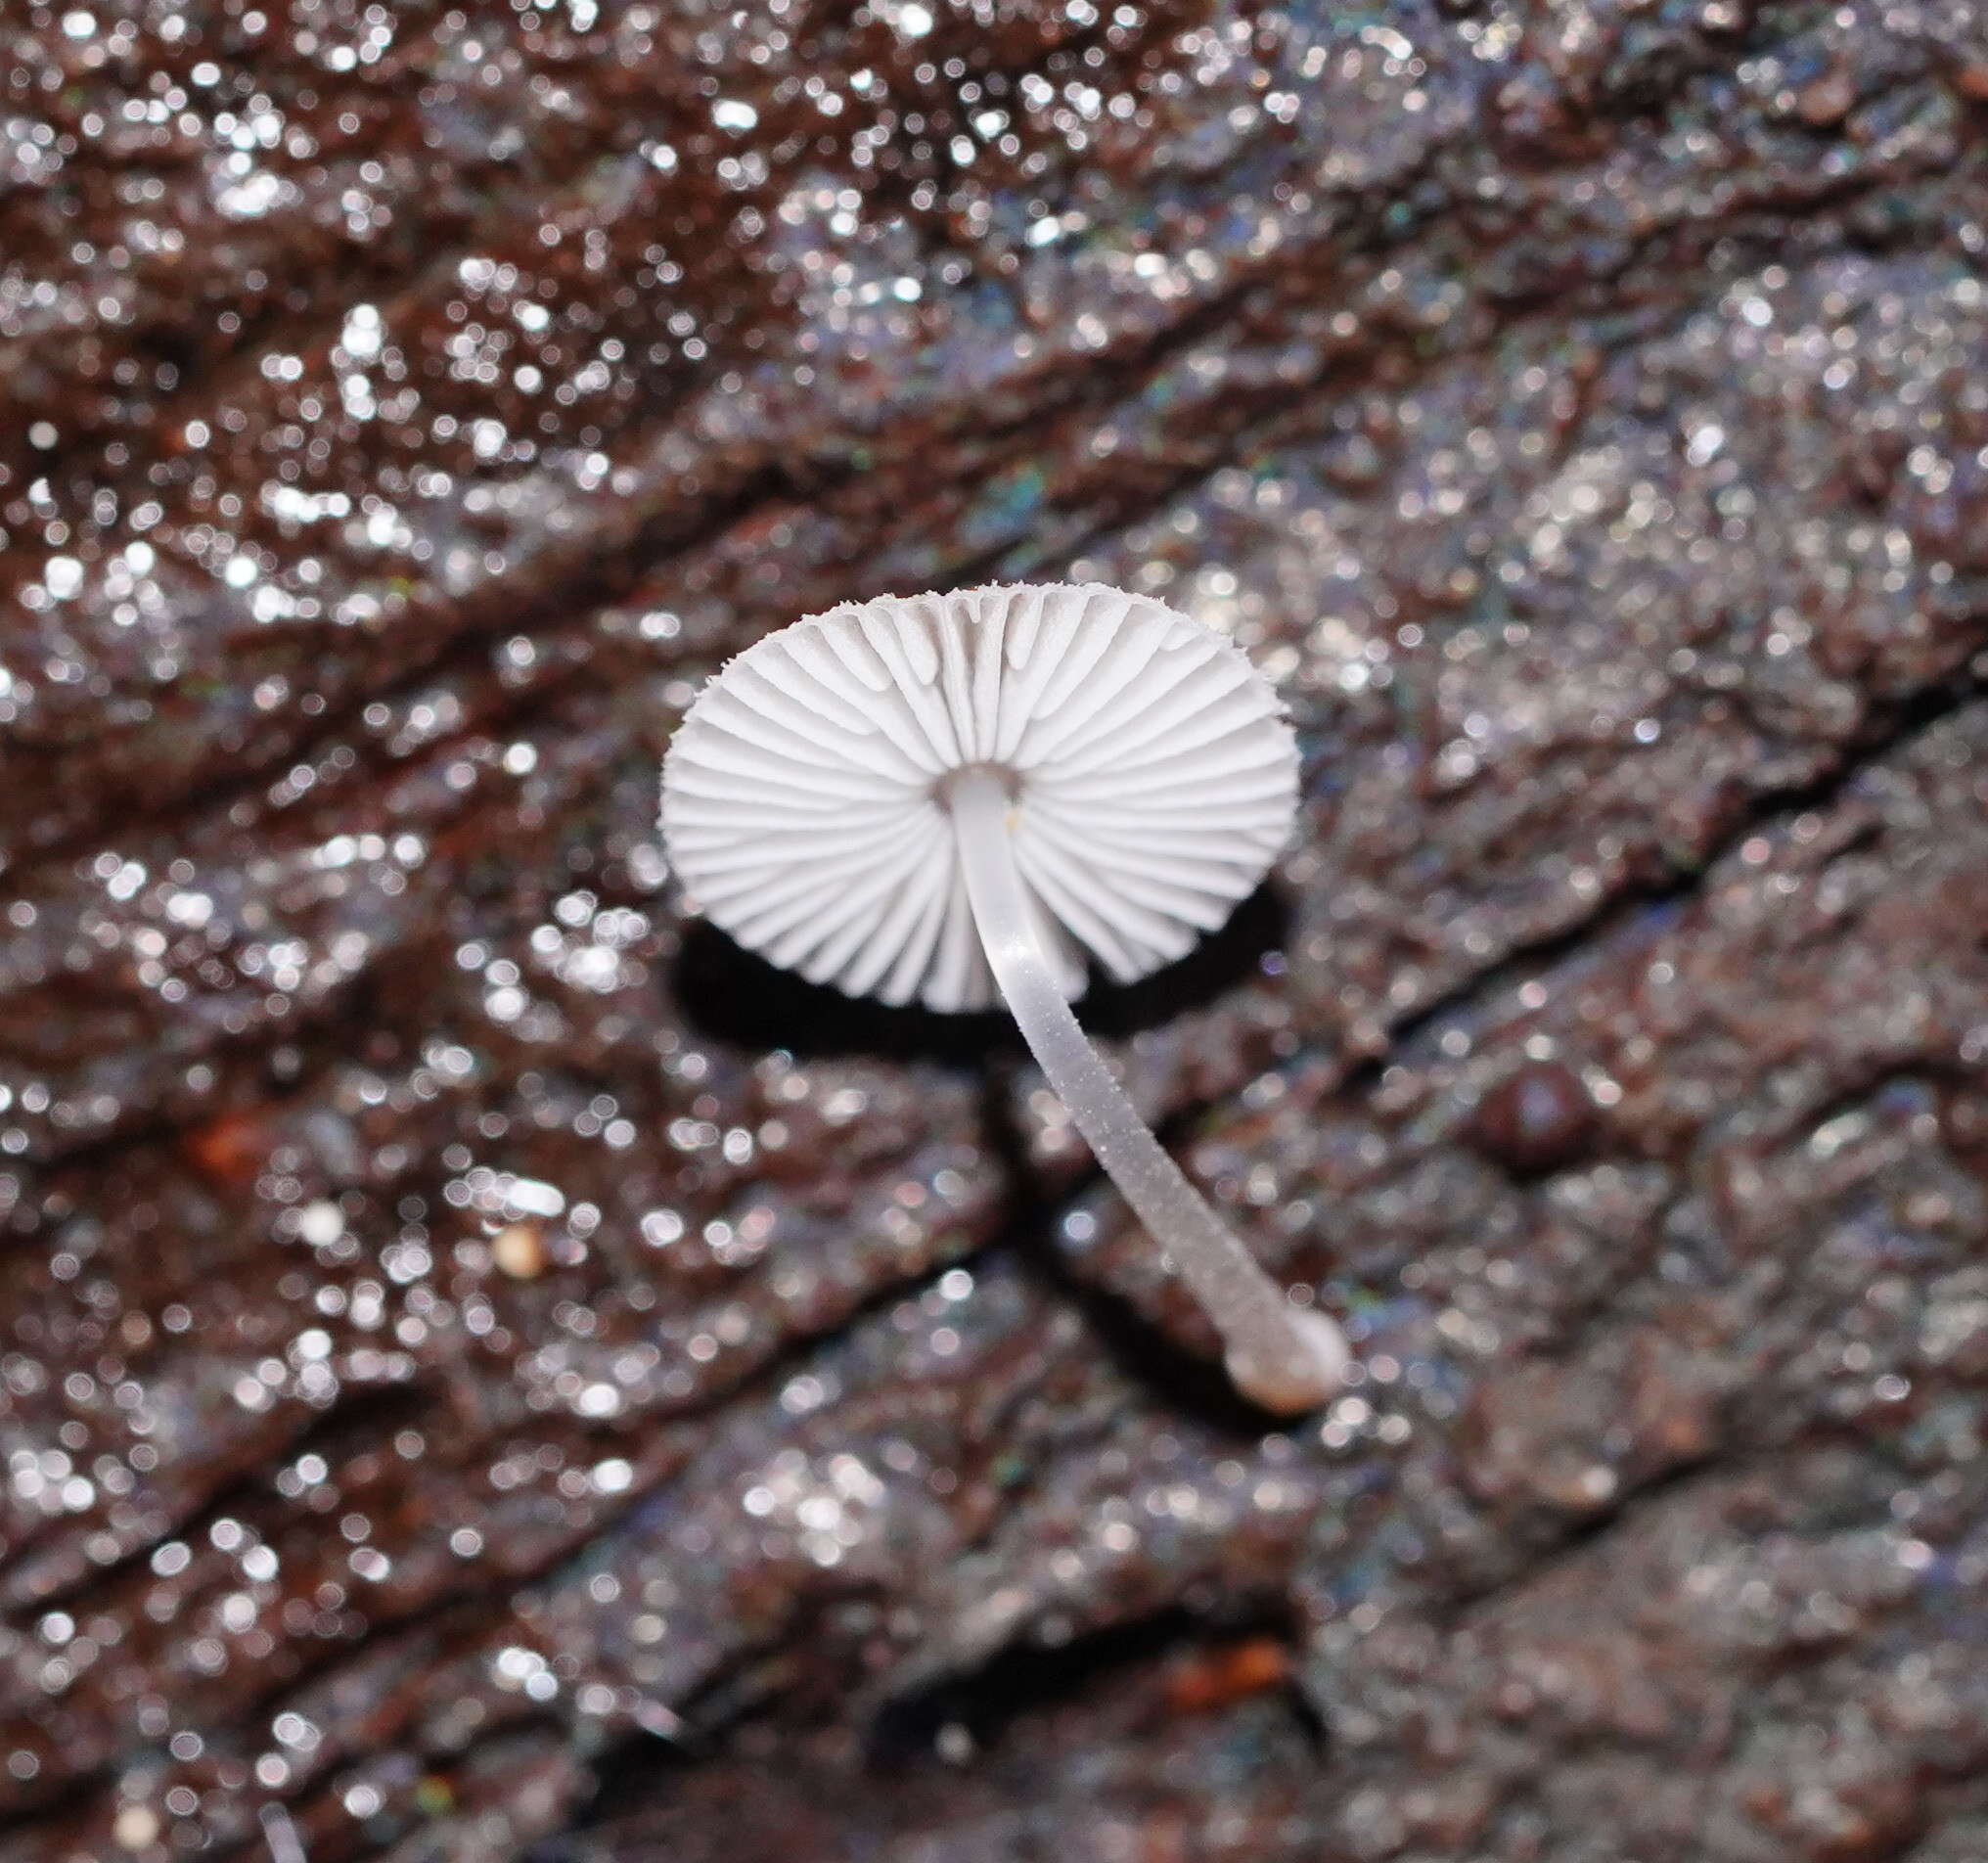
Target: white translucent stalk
x: 1286, y: 1358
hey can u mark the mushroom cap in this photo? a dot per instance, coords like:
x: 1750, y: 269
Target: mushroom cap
x: 805, y: 798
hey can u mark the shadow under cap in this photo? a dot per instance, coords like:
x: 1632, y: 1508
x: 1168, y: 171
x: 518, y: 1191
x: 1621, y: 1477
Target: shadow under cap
x: 731, y: 996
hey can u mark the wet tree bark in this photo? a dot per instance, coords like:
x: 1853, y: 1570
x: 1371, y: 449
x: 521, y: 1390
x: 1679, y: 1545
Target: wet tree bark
x: 484, y: 1363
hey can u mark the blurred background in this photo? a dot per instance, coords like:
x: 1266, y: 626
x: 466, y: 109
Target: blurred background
x: 490, y: 1368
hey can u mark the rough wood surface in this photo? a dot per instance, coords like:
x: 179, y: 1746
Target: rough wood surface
x: 489, y: 1366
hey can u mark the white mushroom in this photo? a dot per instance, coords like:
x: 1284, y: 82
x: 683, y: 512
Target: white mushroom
x: 942, y: 797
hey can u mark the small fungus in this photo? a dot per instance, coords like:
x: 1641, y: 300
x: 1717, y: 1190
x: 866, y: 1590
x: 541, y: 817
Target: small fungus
x: 1539, y: 1119
x: 946, y: 798
x: 518, y: 1251
x: 136, y: 1827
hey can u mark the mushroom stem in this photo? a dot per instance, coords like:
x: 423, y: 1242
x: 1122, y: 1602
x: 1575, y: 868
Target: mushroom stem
x: 1286, y: 1358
